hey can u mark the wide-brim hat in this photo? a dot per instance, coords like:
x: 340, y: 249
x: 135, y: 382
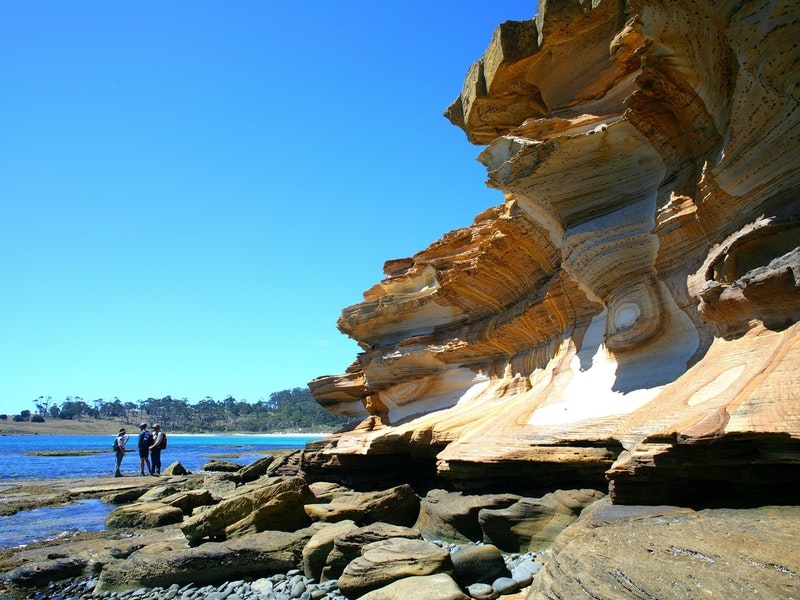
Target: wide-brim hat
x: 122, y: 430
x: 156, y: 426
x: 142, y: 425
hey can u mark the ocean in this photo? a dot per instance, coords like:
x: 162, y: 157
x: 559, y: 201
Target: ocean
x: 192, y: 451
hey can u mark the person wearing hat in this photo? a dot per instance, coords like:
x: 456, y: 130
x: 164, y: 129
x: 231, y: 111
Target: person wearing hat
x: 155, y: 450
x: 119, y: 449
x: 145, y: 439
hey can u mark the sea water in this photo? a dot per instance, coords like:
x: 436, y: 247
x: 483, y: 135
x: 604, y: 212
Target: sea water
x: 17, y: 465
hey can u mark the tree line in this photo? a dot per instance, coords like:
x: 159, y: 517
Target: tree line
x: 293, y: 409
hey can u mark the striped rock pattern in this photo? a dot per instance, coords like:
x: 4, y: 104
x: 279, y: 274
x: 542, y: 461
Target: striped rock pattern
x: 629, y: 314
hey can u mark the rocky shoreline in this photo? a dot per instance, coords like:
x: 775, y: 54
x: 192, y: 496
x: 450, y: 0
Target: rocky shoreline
x: 264, y: 532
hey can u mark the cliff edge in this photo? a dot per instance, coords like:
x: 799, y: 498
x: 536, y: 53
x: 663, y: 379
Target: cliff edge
x: 628, y: 317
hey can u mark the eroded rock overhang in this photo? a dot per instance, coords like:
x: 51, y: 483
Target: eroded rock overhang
x: 629, y: 314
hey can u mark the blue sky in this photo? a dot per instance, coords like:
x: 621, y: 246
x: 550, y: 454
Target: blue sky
x: 191, y: 192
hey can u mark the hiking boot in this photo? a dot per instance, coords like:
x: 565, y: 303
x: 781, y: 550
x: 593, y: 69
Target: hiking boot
x: 117, y: 474
x: 141, y: 474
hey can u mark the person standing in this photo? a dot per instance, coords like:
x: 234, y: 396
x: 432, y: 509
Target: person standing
x: 145, y: 439
x: 119, y: 449
x: 155, y: 450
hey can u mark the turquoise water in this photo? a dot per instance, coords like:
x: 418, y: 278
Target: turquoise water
x: 192, y: 451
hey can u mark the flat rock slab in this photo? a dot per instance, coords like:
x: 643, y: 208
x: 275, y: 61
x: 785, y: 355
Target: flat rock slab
x: 672, y: 553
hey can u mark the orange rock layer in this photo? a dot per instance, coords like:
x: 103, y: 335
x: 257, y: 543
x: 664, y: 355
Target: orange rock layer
x: 630, y: 312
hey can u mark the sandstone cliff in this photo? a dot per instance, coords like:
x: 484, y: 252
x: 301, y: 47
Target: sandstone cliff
x: 628, y: 317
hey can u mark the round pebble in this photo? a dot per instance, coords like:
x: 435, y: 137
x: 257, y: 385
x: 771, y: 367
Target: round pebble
x: 482, y: 591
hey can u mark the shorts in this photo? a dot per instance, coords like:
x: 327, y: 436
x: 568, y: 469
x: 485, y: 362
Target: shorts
x: 143, y: 452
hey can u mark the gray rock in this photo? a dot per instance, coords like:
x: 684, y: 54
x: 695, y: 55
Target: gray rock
x: 505, y: 585
x: 482, y: 591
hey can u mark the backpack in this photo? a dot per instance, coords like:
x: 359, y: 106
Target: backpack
x: 146, y: 439
x: 163, y: 440
x: 115, y: 447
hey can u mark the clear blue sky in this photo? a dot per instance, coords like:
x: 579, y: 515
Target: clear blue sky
x: 191, y: 192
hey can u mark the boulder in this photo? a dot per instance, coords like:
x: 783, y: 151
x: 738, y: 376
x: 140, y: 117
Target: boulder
x: 143, y: 515
x: 124, y: 496
x: 175, y: 468
x: 439, y: 586
x: 253, y: 556
x: 532, y: 524
x: 668, y: 552
x: 325, y: 491
x: 387, y: 561
x: 268, y: 503
x: 40, y: 573
x: 348, y: 545
x: 255, y: 469
x: 224, y: 466
x: 220, y: 484
x: 453, y: 516
x: 189, y: 500
x: 398, y: 505
x: 316, y: 551
x: 157, y: 492
x: 477, y: 564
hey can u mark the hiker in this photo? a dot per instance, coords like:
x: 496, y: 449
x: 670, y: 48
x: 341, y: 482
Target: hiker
x: 119, y: 449
x: 155, y: 450
x: 145, y: 439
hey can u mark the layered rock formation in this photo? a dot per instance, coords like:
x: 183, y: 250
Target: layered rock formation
x: 628, y: 315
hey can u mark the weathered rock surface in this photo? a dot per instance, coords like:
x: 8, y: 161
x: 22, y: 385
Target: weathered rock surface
x: 669, y: 553
x: 387, y: 561
x: 144, y: 515
x: 532, y: 524
x: 269, y: 503
x: 426, y: 587
x: 256, y: 555
x: 453, y: 516
x: 316, y: 551
x: 477, y: 564
x: 221, y: 466
x: 347, y: 546
x: 398, y: 506
x: 630, y: 311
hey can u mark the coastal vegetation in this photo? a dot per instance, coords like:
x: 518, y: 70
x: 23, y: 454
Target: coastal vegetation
x: 287, y: 410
